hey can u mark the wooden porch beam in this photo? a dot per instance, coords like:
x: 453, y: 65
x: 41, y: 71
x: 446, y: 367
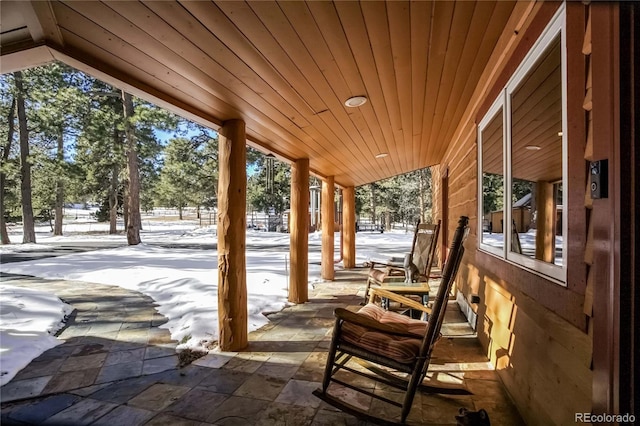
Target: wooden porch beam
x: 41, y: 21
x: 299, y: 232
x: 232, y: 271
x: 349, y: 227
x: 327, y: 204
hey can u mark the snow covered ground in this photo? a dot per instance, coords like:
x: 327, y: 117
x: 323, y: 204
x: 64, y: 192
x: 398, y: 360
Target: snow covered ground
x: 176, y: 266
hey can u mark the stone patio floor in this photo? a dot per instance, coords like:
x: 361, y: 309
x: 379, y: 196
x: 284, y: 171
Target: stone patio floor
x: 116, y: 367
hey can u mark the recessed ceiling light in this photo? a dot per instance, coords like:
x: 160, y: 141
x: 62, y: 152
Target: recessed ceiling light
x: 355, y: 101
x: 533, y: 147
x: 382, y: 155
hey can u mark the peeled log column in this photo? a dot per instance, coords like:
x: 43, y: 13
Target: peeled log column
x: 299, y: 232
x: 545, y: 223
x: 328, y: 223
x: 232, y: 271
x: 349, y: 227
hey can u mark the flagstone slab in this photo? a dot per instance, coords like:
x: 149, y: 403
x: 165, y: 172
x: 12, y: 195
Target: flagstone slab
x: 158, y: 365
x: 197, y: 404
x: 39, y: 411
x: 115, y: 372
x: 82, y: 413
x: 158, y: 397
x: 224, y: 381
x: 68, y: 380
x: 126, y: 356
x: 261, y: 387
x: 238, y: 411
x: 124, y: 415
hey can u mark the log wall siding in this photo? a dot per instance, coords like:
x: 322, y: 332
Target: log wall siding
x: 534, y: 330
x: 588, y: 156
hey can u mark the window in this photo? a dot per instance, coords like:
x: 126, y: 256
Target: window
x: 491, y: 137
x: 522, y: 162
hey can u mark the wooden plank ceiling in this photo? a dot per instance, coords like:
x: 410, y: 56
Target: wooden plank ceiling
x: 287, y: 68
x: 536, y: 120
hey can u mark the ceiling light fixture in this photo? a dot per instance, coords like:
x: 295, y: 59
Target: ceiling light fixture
x: 355, y: 101
x: 560, y: 133
x: 382, y: 155
x: 533, y: 147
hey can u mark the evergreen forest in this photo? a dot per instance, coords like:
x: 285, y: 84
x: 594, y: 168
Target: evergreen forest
x: 67, y: 138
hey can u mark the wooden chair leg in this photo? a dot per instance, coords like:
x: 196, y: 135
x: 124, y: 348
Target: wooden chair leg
x: 366, y: 291
x: 331, y: 356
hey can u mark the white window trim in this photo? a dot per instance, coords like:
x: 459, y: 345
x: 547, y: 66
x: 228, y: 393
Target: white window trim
x: 558, y: 274
x: 490, y: 115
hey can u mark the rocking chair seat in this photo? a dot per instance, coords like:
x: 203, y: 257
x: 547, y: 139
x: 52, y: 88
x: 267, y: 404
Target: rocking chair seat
x: 376, y: 338
x: 378, y: 275
x: 402, y: 349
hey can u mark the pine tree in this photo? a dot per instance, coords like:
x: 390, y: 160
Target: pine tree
x: 29, y: 233
x: 179, y: 176
x: 57, y: 105
x: 133, y: 204
x: 8, y: 111
x: 100, y: 147
x: 269, y: 188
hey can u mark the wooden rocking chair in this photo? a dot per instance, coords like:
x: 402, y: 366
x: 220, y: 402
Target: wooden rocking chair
x: 415, y: 267
x: 391, y: 340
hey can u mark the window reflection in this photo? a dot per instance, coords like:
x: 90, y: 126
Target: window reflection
x: 493, y: 182
x: 536, y: 160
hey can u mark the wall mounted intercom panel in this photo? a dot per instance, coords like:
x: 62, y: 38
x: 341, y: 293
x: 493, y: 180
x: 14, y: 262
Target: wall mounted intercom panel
x: 599, y: 171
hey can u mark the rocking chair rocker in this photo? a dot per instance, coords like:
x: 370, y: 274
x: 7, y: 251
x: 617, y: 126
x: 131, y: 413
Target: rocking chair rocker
x: 391, y: 340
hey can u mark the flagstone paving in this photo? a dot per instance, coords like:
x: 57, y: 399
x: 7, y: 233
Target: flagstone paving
x: 116, y: 367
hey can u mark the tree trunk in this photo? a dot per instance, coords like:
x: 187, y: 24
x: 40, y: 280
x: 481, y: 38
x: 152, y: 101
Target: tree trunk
x: 57, y: 230
x: 373, y: 204
x: 133, y: 227
x: 29, y: 233
x: 4, y: 235
x: 113, y: 201
x: 180, y: 212
x: 421, y: 200
x: 125, y: 202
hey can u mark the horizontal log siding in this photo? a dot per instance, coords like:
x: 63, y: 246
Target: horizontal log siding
x: 534, y: 330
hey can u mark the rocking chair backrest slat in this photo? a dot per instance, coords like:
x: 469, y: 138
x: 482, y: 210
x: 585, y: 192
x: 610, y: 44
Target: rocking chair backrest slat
x: 415, y: 236
x: 424, y: 246
x: 448, y: 276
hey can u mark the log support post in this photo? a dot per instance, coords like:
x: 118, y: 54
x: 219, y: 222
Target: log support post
x: 545, y: 224
x: 327, y: 204
x: 349, y: 227
x: 299, y: 232
x: 232, y: 271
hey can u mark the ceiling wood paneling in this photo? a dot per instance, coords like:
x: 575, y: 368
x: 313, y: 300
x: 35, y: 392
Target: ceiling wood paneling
x: 286, y: 68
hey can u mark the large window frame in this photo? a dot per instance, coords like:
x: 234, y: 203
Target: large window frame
x: 554, y: 272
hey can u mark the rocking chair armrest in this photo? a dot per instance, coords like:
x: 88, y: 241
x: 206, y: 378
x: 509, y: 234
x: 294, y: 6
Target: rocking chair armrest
x: 347, y: 316
x: 373, y: 265
x: 376, y: 291
x: 395, y: 270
